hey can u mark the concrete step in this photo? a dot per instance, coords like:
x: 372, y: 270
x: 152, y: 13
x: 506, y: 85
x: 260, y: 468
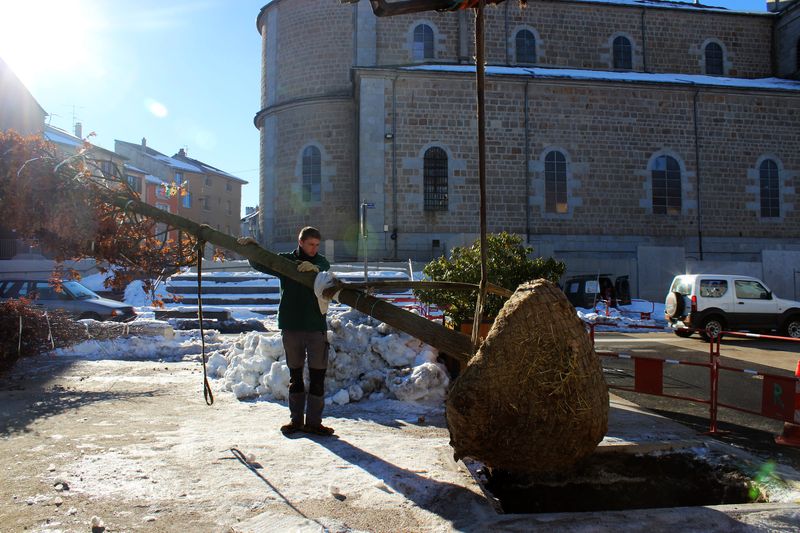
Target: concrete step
x: 188, y: 300
x: 216, y: 289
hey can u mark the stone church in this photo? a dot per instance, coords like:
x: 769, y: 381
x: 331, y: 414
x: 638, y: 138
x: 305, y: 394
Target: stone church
x: 635, y: 137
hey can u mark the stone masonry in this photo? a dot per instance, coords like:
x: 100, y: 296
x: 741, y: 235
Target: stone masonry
x: 337, y: 78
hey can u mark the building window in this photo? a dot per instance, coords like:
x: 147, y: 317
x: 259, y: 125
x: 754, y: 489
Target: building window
x: 435, y: 179
x: 179, y: 178
x: 525, y: 46
x: 623, y: 53
x: 208, y: 181
x: 135, y: 183
x: 312, y: 174
x: 229, y: 207
x: 186, y: 201
x: 714, y: 60
x: 205, y: 203
x: 423, y: 43
x: 228, y: 186
x: 555, y: 182
x: 769, y: 181
x: 666, y: 176
x: 797, y: 56
x: 163, y: 207
x: 107, y: 168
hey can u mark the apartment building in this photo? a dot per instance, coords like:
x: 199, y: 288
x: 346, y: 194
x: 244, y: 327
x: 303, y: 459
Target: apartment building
x: 214, y: 196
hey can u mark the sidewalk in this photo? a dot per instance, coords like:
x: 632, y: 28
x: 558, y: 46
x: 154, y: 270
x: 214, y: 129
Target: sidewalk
x: 138, y: 448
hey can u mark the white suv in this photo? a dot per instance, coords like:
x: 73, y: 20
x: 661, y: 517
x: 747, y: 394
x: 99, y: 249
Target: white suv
x: 716, y: 302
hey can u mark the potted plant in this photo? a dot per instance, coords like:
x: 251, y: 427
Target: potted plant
x: 509, y: 264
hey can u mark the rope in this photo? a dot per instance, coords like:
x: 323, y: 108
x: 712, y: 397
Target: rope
x: 207, y: 394
x: 19, y: 346
x: 49, y: 331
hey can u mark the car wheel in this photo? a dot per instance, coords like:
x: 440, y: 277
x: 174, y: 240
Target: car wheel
x: 685, y: 333
x: 92, y: 316
x: 711, y: 328
x: 792, y: 328
x: 674, y: 304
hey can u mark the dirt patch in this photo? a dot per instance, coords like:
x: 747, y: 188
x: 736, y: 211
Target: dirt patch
x: 609, y: 482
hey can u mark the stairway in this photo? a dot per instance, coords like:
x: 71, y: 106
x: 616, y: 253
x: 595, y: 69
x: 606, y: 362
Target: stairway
x: 229, y: 289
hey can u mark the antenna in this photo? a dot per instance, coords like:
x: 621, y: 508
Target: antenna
x: 75, y: 114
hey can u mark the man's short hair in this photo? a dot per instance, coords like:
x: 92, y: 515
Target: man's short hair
x: 309, y: 232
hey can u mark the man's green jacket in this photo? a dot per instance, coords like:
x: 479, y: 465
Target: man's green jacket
x: 298, y: 310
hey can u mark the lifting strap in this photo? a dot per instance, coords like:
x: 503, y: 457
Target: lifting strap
x: 207, y: 394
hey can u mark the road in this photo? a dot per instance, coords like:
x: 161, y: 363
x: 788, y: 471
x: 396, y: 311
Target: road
x: 735, y: 388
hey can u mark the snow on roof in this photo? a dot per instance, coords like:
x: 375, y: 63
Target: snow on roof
x: 59, y: 136
x: 130, y: 167
x: 206, y: 167
x: 775, y: 84
x: 154, y: 179
x: 666, y: 4
x: 176, y: 163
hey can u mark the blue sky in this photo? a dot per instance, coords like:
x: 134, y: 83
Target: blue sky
x: 183, y: 73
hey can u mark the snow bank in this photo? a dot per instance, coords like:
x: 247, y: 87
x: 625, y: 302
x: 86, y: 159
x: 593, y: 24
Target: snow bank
x: 366, y: 359
x: 137, y: 297
x: 178, y: 346
x: 626, y: 318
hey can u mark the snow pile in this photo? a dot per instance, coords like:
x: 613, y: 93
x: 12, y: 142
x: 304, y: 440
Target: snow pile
x: 136, y: 296
x: 626, y: 318
x: 181, y: 345
x: 364, y: 360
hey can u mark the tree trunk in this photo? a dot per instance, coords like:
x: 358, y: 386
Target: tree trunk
x: 441, y: 338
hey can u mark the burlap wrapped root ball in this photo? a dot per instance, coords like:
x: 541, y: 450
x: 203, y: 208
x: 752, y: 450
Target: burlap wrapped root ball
x: 533, y: 399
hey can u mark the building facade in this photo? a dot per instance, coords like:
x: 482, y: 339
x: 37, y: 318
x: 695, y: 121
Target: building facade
x: 626, y: 138
x: 214, y: 196
x: 19, y: 110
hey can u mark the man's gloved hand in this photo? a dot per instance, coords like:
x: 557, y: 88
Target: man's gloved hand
x: 306, y: 266
x: 246, y: 240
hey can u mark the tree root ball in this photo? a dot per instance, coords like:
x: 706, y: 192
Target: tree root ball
x: 533, y: 399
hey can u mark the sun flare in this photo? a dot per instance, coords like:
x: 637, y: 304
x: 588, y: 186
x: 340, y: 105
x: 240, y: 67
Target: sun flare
x: 38, y: 37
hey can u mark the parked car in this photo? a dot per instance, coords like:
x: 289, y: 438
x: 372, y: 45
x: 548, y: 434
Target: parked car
x: 713, y: 303
x: 585, y: 291
x: 74, y: 299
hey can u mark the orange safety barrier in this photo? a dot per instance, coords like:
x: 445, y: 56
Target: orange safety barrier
x: 780, y: 395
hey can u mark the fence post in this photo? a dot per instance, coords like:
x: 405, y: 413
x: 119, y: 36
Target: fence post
x: 714, y: 348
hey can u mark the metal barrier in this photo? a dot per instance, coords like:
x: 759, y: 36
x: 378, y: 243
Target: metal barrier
x: 780, y: 395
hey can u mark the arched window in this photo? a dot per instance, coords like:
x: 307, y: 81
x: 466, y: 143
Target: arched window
x: 312, y: 175
x: 769, y: 186
x: 714, y: 65
x: 525, y: 45
x: 555, y: 182
x: 666, y: 176
x: 435, y: 179
x: 623, y: 53
x: 423, y: 43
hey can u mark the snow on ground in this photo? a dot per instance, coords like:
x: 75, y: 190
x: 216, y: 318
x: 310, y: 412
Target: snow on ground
x: 175, y: 346
x: 366, y: 359
x: 136, y: 296
x: 640, y: 316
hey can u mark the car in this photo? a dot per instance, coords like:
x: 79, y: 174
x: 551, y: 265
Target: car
x: 585, y: 291
x: 72, y: 298
x: 712, y: 303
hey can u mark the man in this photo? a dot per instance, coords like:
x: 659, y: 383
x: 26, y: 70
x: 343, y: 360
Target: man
x: 304, y: 330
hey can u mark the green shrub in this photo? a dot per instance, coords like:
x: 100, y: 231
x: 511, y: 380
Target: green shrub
x: 508, y: 264
x: 36, y: 329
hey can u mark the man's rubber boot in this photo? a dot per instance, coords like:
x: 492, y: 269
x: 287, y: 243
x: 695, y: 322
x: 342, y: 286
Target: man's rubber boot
x: 297, y: 402
x: 314, y: 407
